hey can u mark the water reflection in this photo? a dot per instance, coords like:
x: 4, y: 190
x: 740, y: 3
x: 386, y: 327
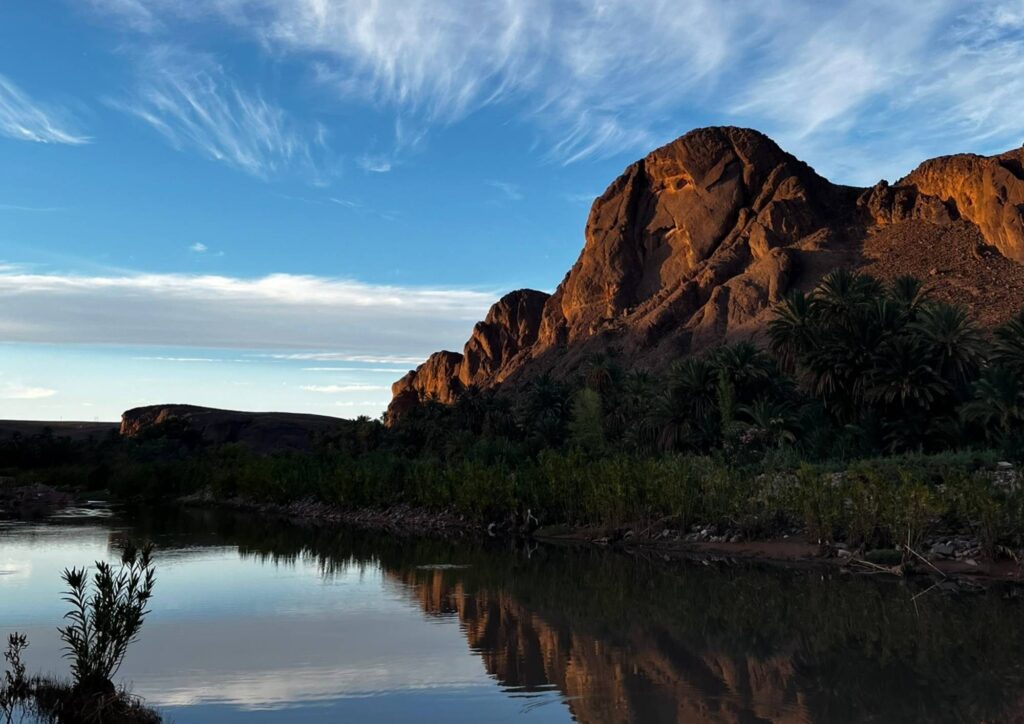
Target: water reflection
x: 258, y: 615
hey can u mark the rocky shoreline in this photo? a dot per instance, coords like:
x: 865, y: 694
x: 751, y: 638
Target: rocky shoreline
x: 955, y: 562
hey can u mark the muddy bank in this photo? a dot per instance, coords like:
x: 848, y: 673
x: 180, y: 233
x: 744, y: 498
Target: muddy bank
x: 790, y: 550
x: 30, y: 502
x: 796, y: 551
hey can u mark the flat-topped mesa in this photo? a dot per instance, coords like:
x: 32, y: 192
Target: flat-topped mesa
x: 260, y: 431
x: 694, y: 244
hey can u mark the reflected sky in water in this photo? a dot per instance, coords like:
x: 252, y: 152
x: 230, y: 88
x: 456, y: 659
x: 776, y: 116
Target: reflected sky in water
x: 261, y: 620
x: 237, y: 638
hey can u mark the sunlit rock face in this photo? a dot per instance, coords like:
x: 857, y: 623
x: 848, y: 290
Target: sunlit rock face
x: 696, y: 213
x: 510, y: 328
x: 988, y: 191
x: 693, y: 244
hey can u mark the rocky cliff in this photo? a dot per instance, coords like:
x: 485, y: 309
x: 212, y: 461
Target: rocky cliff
x: 694, y: 243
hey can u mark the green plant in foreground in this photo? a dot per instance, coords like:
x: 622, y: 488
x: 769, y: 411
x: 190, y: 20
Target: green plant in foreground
x: 103, y: 622
x: 16, y: 690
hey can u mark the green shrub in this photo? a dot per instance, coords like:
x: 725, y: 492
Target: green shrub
x: 105, y: 620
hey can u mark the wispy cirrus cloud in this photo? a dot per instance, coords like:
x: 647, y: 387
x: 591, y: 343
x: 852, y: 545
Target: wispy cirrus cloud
x: 192, y: 102
x: 187, y: 360
x: 396, y: 359
x: 618, y: 76
x: 134, y: 14
x: 25, y: 119
x: 284, y: 314
x: 30, y: 209
x: 385, y: 370
x: 509, y: 191
x: 374, y: 164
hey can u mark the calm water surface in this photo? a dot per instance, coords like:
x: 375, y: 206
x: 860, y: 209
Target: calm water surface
x: 258, y: 620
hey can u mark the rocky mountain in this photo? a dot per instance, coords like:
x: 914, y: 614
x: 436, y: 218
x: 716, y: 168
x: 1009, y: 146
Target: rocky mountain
x: 694, y: 243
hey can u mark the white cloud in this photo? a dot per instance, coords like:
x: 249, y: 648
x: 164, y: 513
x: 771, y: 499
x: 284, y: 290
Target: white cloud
x: 511, y: 192
x: 199, y: 248
x: 179, y: 359
x: 25, y: 119
x: 374, y: 164
x: 388, y: 370
x: 132, y: 13
x: 192, y: 102
x: 857, y: 87
x: 14, y: 391
x: 339, y: 389
x: 285, y: 316
x: 30, y: 209
x: 587, y: 199
x: 346, y: 357
x: 593, y: 76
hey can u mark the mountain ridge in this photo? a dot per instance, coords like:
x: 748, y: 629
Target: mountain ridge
x: 694, y: 243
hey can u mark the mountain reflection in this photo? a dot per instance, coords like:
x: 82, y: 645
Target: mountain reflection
x: 627, y: 639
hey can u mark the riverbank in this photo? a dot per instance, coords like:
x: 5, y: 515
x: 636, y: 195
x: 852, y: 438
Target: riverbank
x: 398, y: 520
x: 953, y: 562
x: 958, y: 513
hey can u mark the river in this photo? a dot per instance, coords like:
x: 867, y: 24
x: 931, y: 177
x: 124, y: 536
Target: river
x: 260, y: 620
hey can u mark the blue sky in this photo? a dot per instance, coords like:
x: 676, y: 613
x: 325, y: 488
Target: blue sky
x: 285, y: 204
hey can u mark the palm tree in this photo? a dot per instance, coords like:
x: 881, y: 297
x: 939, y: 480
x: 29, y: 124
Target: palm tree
x: 998, y: 404
x: 469, y: 408
x: 1008, y: 349
x: 693, y: 382
x: 776, y: 419
x: 631, y: 405
x: 793, y: 330
x: 901, y: 376
x: 748, y: 369
x: 954, y: 342
x: 841, y: 293
x: 601, y: 373
x: 545, y: 411
x: 839, y: 363
x: 684, y: 414
x: 909, y: 294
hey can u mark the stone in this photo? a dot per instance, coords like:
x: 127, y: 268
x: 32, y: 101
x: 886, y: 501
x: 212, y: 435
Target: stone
x: 693, y: 244
x: 986, y: 190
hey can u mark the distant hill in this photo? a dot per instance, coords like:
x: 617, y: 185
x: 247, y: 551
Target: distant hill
x: 261, y: 431
x: 694, y: 243
x: 74, y: 430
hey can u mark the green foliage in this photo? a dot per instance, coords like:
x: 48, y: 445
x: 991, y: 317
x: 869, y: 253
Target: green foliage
x: 16, y: 691
x: 586, y: 427
x: 104, y: 621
